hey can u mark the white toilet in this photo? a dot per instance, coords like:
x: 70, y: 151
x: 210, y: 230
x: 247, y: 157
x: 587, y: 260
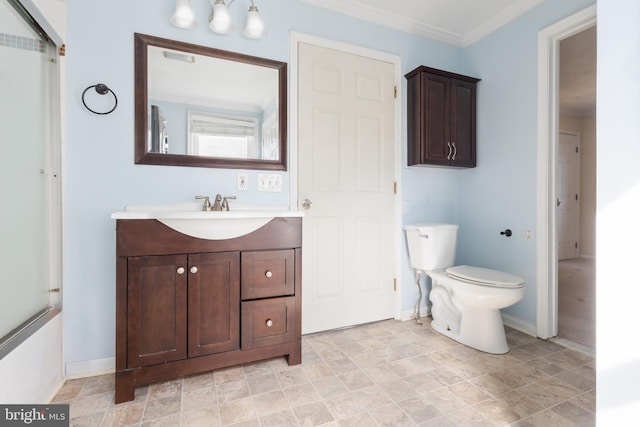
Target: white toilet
x: 466, y: 301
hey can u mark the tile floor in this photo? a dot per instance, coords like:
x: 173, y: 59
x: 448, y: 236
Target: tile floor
x: 388, y: 373
x: 577, y: 301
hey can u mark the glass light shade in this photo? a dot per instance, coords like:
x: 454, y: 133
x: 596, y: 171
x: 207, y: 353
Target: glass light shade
x: 183, y: 17
x: 220, y: 21
x: 255, y: 25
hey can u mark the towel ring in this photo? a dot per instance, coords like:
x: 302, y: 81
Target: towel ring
x: 102, y: 89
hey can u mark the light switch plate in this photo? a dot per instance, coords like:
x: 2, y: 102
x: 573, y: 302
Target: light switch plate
x: 270, y: 182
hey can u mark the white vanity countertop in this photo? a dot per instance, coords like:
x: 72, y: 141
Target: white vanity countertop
x: 203, y: 214
x: 194, y: 211
x: 190, y: 219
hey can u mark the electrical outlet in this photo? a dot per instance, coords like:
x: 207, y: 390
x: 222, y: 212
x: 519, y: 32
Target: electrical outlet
x: 270, y: 182
x: 243, y: 182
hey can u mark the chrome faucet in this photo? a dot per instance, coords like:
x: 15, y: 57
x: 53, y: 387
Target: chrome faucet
x: 216, y: 203
x: 207, y: 204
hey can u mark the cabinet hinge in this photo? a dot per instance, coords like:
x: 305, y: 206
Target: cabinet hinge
x: 395, y: 286
x: 395, y: 187
x: 395, y: 91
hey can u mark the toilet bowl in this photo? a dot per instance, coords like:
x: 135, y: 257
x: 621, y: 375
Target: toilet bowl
x: 466, y: 300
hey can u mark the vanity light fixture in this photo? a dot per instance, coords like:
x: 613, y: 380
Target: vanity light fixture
x: 184, y: 17
x: 220, y: 20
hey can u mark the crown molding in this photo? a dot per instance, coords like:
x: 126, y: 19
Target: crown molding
x: 360, y: 10
x: 498, y: 20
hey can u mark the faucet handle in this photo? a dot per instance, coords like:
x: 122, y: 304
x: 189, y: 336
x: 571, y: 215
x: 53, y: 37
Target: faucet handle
x: 207, y: 204
x: 225, y: 202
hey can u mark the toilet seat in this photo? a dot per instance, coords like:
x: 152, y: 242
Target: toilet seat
x: 485, y: 276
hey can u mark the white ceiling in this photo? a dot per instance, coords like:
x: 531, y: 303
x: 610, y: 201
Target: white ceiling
x: 463, y: 22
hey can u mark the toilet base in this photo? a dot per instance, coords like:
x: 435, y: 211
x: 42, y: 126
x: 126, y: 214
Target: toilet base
x: 483, y: 331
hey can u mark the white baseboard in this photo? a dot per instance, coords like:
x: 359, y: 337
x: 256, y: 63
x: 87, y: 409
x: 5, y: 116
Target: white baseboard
x: 90, y: 368
x: 410, y: 313
x: 518, y: 324
x: 589, y: 257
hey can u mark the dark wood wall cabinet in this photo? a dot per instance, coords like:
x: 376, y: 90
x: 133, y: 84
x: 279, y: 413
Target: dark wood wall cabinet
x: 186, y: 305
x: 441, y: 116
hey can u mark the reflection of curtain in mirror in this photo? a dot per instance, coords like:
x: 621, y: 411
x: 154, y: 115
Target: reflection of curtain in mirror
x: 270, y: 138
x: 28, y: 230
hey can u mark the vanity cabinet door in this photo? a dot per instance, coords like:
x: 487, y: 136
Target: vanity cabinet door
x: 463, y: 122
x: 156, y: 310
x: 214, y: 303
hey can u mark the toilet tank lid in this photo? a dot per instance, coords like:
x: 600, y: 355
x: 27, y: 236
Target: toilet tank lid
x: 426, y: 226
x: 485, y: 275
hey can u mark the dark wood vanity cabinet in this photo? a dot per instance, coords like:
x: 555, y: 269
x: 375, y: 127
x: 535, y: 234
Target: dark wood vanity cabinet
x: 186, y: 305
x: 441, y: 118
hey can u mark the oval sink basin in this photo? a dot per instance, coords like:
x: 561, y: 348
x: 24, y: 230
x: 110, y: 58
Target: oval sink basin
x: 190, y: 219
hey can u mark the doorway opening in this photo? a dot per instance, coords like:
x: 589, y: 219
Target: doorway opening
x: 549, y: 125
x: 576, y: 188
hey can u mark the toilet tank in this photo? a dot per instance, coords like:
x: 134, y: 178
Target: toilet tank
x: 432, y: 246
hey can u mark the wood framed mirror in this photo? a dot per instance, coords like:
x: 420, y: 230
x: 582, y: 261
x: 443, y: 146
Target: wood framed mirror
x: 205, y: 107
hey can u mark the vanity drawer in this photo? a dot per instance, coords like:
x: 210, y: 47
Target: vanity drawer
x: 267, y: 274
x: 268, y: 322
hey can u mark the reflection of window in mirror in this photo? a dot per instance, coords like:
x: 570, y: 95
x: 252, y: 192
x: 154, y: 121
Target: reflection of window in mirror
x: 219, y: 135
x: 270, y: 137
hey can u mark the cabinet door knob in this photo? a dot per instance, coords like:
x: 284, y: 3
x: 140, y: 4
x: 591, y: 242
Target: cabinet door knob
x: 269, y: 323
x: 193, y: 269
x: 268, y: 274
x: 180, y: 270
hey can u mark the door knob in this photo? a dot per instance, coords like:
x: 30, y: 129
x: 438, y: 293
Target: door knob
x: 306, y: 203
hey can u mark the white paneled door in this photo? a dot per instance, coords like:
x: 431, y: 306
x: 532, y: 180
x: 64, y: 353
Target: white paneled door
x: 346, y: 187
x: 567, y: 188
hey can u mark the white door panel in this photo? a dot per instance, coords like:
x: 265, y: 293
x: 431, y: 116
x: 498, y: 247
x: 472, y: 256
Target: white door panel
x: 346, y: 159
x: 567, y: 188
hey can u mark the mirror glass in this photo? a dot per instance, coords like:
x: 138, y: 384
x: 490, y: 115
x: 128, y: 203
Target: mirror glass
x: 199, y: 106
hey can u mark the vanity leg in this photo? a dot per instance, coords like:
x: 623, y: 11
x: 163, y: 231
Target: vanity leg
x: 295, y: 357
x: 125, y: 388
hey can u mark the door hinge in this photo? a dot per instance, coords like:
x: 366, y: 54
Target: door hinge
x: 576, y: 245
x: 62, y: 50
x: 395, y: 187
x: 395, y: 91
x: 576, y: 149
x: 395, y: 286
x: 54, y: 290
x: 576, y: 197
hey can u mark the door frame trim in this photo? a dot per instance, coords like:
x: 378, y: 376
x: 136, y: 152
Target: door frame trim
x: 548, y: 128
x: 295, y: 39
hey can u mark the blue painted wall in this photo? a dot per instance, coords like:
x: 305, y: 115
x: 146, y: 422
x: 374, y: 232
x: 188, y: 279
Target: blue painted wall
x: 500, y: 192
x: 100, y: 176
